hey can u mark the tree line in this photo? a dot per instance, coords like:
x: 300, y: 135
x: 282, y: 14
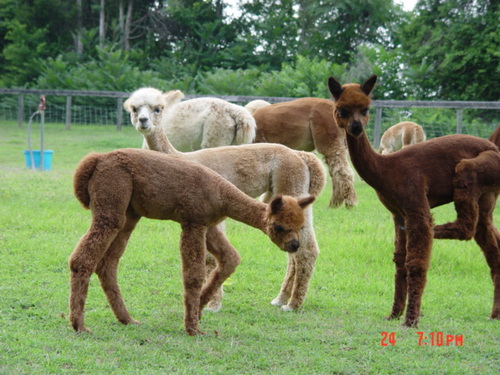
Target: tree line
x: 442, y: 50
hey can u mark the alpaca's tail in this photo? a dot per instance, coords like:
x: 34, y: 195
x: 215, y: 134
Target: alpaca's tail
x: 173, y: 97
x: 317, y: 173
x: 83, y: 174
x: 245, y: 127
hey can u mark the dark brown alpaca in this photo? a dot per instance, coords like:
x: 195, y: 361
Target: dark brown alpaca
x: 122, y: 186
x: 411, y: 182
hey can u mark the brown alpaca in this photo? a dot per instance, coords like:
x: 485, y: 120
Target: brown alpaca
x: 495, y: 136
x: 412, y: 181
x: 307, y: 124
x: 401, y: 135
x: 255, y: 169
x: 122, y: 186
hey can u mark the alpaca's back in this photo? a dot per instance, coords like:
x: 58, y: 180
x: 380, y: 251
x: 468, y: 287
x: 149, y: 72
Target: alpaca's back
x: 207, y: 122
x: 152, y: 185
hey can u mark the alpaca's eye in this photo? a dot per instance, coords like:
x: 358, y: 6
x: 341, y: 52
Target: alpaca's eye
x: 157, y: 110
x: 134, y: 110
x: 364, y: 112
x: 279, y: 229
x: 343, y: 113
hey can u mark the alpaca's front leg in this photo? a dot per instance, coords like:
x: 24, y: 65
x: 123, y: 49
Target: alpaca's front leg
x: 227, y: 261
x: 193, y: 272
x: 400, y: 277
x: 418, y: 252
x: 342, y: 176
x: 108, y: 268
x: 287, y: 284
x: 304, y: 263
x: 215, y: 303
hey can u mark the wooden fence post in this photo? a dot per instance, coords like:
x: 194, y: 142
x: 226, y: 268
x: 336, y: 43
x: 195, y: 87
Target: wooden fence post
x: 20, y: 110
x: 459, y: 121
x: 68, y: 112
x: 378, y: 126
x: 119, y: 114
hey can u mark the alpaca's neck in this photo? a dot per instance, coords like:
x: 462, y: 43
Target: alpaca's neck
x: 157, y: 140
x: 365, y: 159
x: 241, y: 207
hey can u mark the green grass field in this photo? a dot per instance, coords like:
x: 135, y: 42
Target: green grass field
x: 339, y: 330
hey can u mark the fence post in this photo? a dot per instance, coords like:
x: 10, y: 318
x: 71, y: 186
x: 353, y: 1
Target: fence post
x: 376, y: 130
x: 68, y: 112
x: 459, y: 121
x: 20, y: 110
x: 119, y: 114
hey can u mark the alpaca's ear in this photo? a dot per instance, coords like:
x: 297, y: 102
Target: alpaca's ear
x: 369, y: 84
x: 126, y: 105
x: 304, y: 202
x: 335, y: 88
x: 276, y: 204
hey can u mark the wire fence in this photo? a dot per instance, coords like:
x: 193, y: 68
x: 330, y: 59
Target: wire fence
x: 105, y: 108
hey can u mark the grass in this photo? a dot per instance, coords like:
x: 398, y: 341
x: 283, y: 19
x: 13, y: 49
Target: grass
x: 339, y: 329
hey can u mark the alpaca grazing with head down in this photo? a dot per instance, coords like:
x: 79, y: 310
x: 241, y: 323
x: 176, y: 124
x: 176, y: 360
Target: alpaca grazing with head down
x: 306, y: 124
x: 124, y: 185
x: 401, y: 135
x: 197, y: 123
x: 254, y: 169
x: 417, y: 178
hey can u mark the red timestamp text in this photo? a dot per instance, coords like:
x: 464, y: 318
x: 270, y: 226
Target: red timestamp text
x: 430, y: 339
x: 439, y: 339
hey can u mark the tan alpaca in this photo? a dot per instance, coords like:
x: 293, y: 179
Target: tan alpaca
x: 401, y: 135
x: 122, y: 186
x: 456, y: 168
x: 254, y: 169
x: 307, y: 124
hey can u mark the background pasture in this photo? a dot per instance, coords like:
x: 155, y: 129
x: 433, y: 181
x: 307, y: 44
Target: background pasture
x: 337, y: 331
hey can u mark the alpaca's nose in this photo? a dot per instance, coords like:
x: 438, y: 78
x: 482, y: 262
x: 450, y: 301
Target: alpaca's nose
x: 292, y: 246
x: 143, y: 121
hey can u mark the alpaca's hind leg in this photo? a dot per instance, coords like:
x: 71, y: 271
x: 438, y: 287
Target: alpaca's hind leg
x: 419, y: 243
x: 82, y: 263
x: 218, y: 129
x: 108, y: 268
x: 193, y: 273
x: 215, y: 303
x: 488, y: 238
x: 227, y: 261
x: 464, y: 227
x: 400, y: 278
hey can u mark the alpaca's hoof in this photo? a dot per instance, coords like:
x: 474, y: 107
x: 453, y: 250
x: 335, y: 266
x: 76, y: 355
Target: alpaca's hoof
x: 213, y: 307
x: 194, y: 332
x: 495, y: 316
x: 287, y: 308
x: 277, y: 302
x: 82, y: 330
x: 133, y: 321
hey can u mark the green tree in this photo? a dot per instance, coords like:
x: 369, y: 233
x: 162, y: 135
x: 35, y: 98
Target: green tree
x: 453, y: 49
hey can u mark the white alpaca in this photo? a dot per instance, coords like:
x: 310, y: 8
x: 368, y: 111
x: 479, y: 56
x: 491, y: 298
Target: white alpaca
x: 255, y: 169
x: 197, y: 123
x: 256, y: 104
x: 401, y: 135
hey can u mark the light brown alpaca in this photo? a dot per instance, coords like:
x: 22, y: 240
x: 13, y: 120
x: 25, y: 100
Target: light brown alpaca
x: 401, y: 135
x: 307, y: 124
x: 122, y: 186
x: 255, y: 169
x: 412, y: 181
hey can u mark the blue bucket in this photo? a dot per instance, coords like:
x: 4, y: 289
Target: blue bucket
x: 47, y: 159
